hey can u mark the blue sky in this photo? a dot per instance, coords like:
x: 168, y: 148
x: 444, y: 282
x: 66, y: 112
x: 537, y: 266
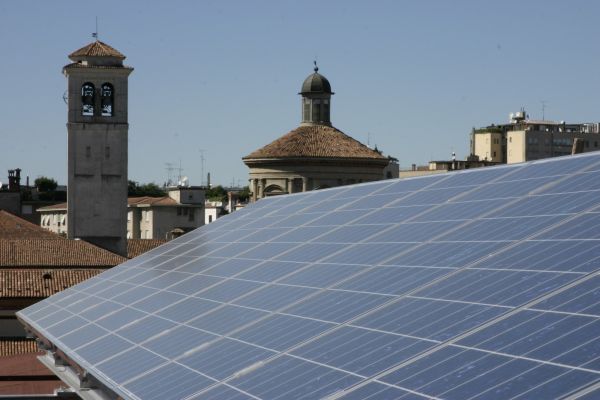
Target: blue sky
x: 221, y: 77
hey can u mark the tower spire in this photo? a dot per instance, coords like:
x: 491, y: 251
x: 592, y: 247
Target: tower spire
x: 316, y: 69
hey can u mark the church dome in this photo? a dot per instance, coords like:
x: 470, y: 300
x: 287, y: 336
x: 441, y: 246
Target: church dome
x: 316, y: 83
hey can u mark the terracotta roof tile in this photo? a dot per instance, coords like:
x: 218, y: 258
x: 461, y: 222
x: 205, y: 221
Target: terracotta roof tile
x: 97, y: 49
x: 55, y: 253
x: 136, y: 247
x: 152, y: 201
x: 40, y: 283
x: 13, y: 227
x: 59, y: 207
x: 315, y: 141
x: 10, y: 346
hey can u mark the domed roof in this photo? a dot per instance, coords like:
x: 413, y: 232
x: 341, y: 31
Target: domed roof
x: 315, y: 141
x: 316, y: 83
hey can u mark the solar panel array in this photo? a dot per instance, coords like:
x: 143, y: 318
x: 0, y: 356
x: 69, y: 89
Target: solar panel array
x: 481, y: 284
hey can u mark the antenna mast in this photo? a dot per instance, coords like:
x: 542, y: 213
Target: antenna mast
x: 95, y: 34
x: 202, y: 166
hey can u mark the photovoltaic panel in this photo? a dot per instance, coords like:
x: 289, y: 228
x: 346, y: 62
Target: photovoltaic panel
x: 478, y: 284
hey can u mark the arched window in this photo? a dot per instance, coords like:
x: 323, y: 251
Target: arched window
x: 87, y: 99
x: 107, y: 100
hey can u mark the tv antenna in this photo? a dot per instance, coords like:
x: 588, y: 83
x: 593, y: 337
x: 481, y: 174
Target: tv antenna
x: 95, y: 33
x: 543, y: 109
x: 169, y: 167
x: 202, y: 166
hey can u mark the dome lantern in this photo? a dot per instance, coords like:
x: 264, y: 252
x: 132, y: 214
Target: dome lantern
x: 316, y: 99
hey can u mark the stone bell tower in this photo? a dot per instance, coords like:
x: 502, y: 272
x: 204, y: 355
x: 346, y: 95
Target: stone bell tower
x: 97, y: 145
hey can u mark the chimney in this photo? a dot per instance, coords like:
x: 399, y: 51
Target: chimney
x: 577, y: 146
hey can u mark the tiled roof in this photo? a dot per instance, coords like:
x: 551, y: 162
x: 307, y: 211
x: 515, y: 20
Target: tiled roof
x: 55, y: 253
x: 40, y: 283
x: 10, y: 346
x: 13, y: 227
x: 54, y: 207
x: 136, y: 247
x: 315, y: 141
x: 152, y: 201
x: 97, y: 49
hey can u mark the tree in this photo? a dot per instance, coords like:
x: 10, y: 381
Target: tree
x: 217, y: 193
x: 45, y: 184
x: 148, y: 189
x: 244, y: 195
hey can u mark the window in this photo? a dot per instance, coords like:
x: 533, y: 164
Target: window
x: 316, y: 110
x: 88, y: 151
x: 191, y: 215
x: 209, y: 219
x: 129, y: 214
x: 107, y: 100
x: 107, y: 152
x: 306, y: 109
x: 325, y: 110
x: 87, y: 99
x: 494, y: 154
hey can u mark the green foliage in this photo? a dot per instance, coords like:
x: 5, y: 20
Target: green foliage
x: 148, y: 189
x: 244, y: 195
x: 45, y: 184
x: 217, y: 193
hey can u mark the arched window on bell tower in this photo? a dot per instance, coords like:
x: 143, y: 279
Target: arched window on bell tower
x: 107, y: 100
x: 87, y: 99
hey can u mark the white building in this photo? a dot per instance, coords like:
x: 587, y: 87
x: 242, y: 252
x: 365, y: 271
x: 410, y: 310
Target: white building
x: 182, y: 210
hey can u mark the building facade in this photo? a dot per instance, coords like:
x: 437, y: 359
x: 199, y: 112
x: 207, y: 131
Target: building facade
x: 97, y: 146
x: 181, y: 211
x: 524, y: 139
x: 315, y: 155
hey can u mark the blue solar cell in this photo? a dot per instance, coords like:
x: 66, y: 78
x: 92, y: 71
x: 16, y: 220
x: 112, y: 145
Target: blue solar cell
x: 221, y: 392
x: 463, y: 210
x: 129, y: 364
x: 85, y: 334
x: 379, y: 391
x: 583, y: 298
x: 226, y: 319
x: 584, y: 226
x: 269, y: 271
x: 368, y: 253
x: 224, y: 358
x: 550, y: 204
x: 290, y: 378
x: 228, y: 290
x: 362, y: 351
x: 274, y: 297
x: 187, y: 309
x: 430, y: 196
x: 300, y: 234
x: 200, y: 264
x: 552, y: 255
x: 337, y: 306
x: 232, y: 266
x: 509, y: 189
x: 280, y: 332
x: 334, y: 218
x: 413, y: 232
x: 132, y: 295
x: 100, y: 309
x: 97, y: 350
x: 166, y: 280
x: 310, y: 252
x: 392, y: 280
x: 67, y: 325
x: 194, y: 284
x: 119, y: 318
x: 348, y: 234
x: 171, y: 381
x: 446, y: 254
x: 511, y: 288
x: 322, y: 275
x: 390, y: 215
x: 268, y: 250
x: 371, y: 202
x: 431, y: 319
x: 145, y: 328
x: 178, y: 341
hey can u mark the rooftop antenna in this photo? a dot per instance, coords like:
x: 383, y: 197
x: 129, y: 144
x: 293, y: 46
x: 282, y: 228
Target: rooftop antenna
x: 369, y: 139
x: 543, y: 109
x: 95, y: 34
x: 202, y: 166
x: 180, y: 170
x: 170, y: 169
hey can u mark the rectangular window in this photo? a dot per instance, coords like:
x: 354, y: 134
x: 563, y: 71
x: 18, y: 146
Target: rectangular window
x: 191, y: 215
x: 88, y: 151
x: 107, y: 152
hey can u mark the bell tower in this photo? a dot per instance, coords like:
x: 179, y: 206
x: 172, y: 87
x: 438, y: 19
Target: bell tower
x: 97, y: 129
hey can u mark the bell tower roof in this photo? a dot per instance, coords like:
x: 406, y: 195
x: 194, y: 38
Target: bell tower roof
x: 98, y: 53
